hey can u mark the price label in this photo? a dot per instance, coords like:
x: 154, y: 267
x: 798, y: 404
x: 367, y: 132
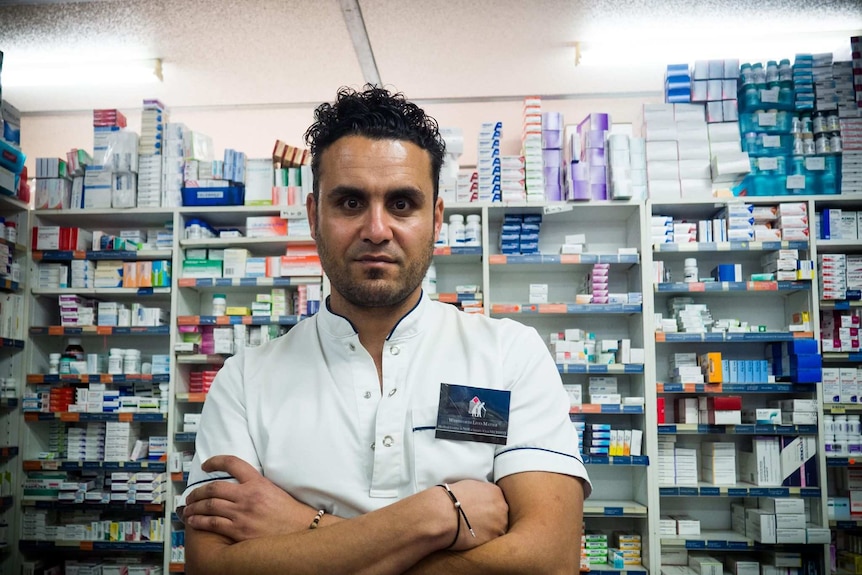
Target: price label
x: 293, y: 213
x: 769, y: 96
x: 771, y: 141
x: 558, y: 209
x: 767, y: 163
x: 766, y: 119
x: 796, y: 182
x: 815, y: 163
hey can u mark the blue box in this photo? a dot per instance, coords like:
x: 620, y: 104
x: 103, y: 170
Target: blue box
x: 725, y: 371
x: 532, y: 218
x: 808, y: 361
x: 227, y: 196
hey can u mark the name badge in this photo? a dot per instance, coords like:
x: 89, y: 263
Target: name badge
x: 473, y: 414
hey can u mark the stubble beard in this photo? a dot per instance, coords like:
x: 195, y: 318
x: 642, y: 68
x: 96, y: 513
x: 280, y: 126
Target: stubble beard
x: 373, y: 290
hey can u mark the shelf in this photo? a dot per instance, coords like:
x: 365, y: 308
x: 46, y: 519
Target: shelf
x: 744, y: 429
x: 267, y: 242
x: 606, y: 569
x: 600, y: 368
x: 732, y: 337
x: 458, y: 253
x: 37, y: 378
x: 614, y: 509
x: 624, y: 460
x: 8, y: 402
x: 453, y: 297
x: 177, y: 568
x: 729, y: 247
x: 180, y: 476
x: 191, y: 397
x: 840, y: 304
x: 113, y: 292
x: 735, y: 388
x: 124, y: 255
x: 565, y: 309
x: 74, y: 417
x: 839, y: 245
x: 28, y: 545
x: 842, y: 356
x: 550, y: 260
x: 60, y: 330
x: 107, y: 219
x: 185, y: 436
x: 8, y: 452
x: 843, y: 461
x: 737, y: 491
x: 200, y: 359
x: 842, y: 408
x: 9, y: 285
x: 732, y: 287
x: 95, y: 505
x: 238, y: 320
x: 718, y: 540
x: 11, y: 343
x: 606, y: 408
x: 78, y: 465
x: 213, y: 283
x: 8, y: 201
x: 846, y: 523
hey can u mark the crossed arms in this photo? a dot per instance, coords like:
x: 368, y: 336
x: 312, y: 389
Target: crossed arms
x: 529, y: 523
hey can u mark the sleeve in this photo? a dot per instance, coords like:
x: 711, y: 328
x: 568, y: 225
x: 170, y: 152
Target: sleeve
x: 541, y: 435
x: 223, y: 428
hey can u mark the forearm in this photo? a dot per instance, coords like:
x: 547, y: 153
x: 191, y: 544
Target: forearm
x: 387, y: 541
x: 543, y: 537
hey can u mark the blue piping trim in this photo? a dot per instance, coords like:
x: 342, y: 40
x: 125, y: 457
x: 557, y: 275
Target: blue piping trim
x: 208, y: 479
x: 421, y: 293
x: 581, y: 461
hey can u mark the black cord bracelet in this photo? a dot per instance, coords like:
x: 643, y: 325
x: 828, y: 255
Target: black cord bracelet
x: 459, y: 512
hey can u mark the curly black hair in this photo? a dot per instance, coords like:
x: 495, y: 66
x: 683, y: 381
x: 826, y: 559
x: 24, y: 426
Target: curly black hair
x: 378, y: 114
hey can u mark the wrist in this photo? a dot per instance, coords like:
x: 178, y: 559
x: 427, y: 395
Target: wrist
x: 447, y: 521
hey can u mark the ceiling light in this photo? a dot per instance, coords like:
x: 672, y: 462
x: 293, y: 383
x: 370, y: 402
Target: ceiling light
x: 23, y: 74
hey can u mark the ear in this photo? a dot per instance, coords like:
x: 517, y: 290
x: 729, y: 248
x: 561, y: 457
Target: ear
x: 438, y: 217
x: 311, y: 213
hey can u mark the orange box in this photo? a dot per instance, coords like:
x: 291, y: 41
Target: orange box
x: 710, y: 365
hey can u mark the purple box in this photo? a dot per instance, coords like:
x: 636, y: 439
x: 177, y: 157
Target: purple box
x: 579, y: 190
x: 552, y: 121
x: 594, y: 121
x: 552, y: 139
x: 552, y: 158
x: 598, y: 175
x: 593, y: 139
x: 597, y: 157
x: 553, y: 190
x: 599, y: 191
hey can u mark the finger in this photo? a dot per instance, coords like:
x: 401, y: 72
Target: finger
x: 214, y: 490
x: 232, y: 465
x: 211, y: 507
x: 212, y: 524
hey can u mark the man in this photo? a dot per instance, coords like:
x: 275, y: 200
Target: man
x: 348, y: 445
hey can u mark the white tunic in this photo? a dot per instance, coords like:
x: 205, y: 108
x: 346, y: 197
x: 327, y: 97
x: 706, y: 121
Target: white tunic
x: 307, y: 409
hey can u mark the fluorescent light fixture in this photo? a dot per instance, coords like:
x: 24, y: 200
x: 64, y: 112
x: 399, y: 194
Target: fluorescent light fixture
x: 23, y: 74
x: 352, y: 14
x: 634, y: 50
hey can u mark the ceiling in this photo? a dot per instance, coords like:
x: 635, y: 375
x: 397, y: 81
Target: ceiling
x: 277, y: 53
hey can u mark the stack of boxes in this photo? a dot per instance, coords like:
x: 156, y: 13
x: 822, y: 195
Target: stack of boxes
x: 851, y: 157
x: 512, y: 179
x: 715, y: 83
x: 594, y: 549
x: 534, y: 175
x: 520, y: 234
x: 120, y: 439
x: 719, y: 410
x: 112, y: 181
x: 627, y: 167
x: 76, y: 311
x: 173, y: 163
x: 488, y: 165
x: 842, y: 384
x: 718, y: 465
x: 798, y: 361
x: 200, y: 381
x: 678, y: 526
x: 86, y: 443
x: 837, y: 224
x: 626, y: 550
x: 589, y: 175
x: 677, y: 84
x: 597, y: 283
x: 776, y: 520
x: 684, y: 369
x: 141, y: 487
x: 150, y: 145
x: 728, y: 163
x: 53, y: 184
x: 832, y: 275
x: 552, y: 155
x: 839, y: 331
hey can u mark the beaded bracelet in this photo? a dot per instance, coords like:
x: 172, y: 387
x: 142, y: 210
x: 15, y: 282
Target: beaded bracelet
x: 459, y: 513
x: 316, y: 521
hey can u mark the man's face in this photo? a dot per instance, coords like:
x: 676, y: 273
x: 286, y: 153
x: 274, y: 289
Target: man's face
x: 375, y: 220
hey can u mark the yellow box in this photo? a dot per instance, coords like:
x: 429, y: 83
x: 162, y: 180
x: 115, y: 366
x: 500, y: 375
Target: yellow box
x: 710, y: 365
x: 237, y: 310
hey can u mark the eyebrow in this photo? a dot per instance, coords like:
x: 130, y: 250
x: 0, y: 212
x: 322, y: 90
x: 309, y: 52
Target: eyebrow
x: 339, y: 192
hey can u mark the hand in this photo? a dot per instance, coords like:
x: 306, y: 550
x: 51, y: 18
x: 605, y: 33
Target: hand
x: 485, y: 506
x: 255, y: 507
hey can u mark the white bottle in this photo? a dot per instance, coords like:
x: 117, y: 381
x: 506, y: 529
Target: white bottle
x: 115, y: 361
x: 690, y: 270
x: 456, y: 230
x: 429, y: 283
x: 473, y: 231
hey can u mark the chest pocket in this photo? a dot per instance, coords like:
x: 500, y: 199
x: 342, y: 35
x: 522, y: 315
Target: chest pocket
x: 445, y: 460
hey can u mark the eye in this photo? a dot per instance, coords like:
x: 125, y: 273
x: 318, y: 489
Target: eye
x: 401, y: 205
x: 351, y: 203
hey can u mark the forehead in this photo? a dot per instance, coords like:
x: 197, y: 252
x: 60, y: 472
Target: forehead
x: 360, y: 162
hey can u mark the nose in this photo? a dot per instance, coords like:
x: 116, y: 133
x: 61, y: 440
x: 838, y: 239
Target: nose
x: 377, y: 228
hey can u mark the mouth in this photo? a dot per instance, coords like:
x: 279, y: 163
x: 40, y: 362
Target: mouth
x: 372, y: 260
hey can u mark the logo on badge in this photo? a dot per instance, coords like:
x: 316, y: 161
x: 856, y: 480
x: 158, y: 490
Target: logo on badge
x: 477, y: 407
